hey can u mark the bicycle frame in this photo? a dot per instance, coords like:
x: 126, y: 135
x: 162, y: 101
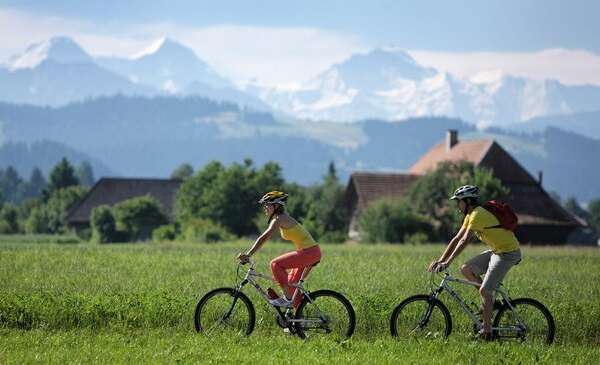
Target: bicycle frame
x: 444, y: 285
x: 252, y: 275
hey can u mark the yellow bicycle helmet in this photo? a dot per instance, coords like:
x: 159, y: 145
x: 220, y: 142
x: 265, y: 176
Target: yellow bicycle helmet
x: 274, y: 197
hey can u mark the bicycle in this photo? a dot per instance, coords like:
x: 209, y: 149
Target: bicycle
x: 426, y: 315
x: 229, y: 310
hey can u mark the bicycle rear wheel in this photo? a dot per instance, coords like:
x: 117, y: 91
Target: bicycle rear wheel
x: 224, y: 311
x: 530, y: 321
x: 421, y: 316
x: 326, y: 313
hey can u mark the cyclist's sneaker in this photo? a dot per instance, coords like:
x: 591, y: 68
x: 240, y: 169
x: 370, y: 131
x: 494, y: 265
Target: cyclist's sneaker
x: 484, y: 336
x: 281, y: 302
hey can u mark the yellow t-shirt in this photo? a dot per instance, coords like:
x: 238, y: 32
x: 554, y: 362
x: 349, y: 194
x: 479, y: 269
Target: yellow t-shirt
x: 498, y: 239
x: 299, y: 235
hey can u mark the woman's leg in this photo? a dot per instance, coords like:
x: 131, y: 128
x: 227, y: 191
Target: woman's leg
x: 297, y: 260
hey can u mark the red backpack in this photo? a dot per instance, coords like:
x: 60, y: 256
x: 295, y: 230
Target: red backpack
x: 503, y: 212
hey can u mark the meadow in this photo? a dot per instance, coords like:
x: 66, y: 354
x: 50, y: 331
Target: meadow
x: 89, y: 303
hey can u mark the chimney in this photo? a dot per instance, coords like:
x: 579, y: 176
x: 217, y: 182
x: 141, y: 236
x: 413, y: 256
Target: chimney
x: 451, y: 139
x: 540, y: 176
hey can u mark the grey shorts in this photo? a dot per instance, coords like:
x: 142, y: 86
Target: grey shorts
x: 494, y: 265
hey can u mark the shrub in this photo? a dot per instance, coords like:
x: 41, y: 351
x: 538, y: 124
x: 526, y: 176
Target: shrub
x: 103, y: 224
x: 138, y: 217
x: 204, y: 230
x: 37, y: 222
x: 391, y: 221
x: 9, y: 219
x: 58, y: 204
x: 334, y: 237
x: 168, y: 232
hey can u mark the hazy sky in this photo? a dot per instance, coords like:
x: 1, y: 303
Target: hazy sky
x: 282, y: 42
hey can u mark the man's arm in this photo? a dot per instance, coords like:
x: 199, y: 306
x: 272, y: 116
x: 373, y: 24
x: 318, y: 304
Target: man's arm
x: 460, y: 246
x: 449, y: 249
x: 452, y: 245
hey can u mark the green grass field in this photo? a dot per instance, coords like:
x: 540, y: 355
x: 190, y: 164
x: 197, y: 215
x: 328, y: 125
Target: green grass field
x: 122, y: 303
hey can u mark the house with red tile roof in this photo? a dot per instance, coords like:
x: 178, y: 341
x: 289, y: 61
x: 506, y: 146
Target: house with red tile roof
x: 541, y: 219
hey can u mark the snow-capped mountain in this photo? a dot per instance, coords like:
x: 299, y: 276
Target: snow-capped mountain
x: 166, y: 65
x: 61, y: 50
x: 58, y: 71
x: 389, y: 84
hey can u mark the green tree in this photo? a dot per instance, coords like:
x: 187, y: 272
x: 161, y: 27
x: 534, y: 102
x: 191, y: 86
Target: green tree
x: 182, y: 172
x: 62, y: 176
x: 11, y: 185
x: 429, y: 194
x: 58, y: 205
x: 104, y: 229
x: 391, y: 221
x: 138, y: 217
x: 327, y: 215
x: 37, y: 221
x: 227, y: 195
x: 85, y: 174
x: 9, y: 219
x: 594, y: 214
x: 36, y: 184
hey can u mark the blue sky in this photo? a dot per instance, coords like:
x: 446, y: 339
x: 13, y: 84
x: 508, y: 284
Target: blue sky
x: 441, y: 25
x: 326, y: 31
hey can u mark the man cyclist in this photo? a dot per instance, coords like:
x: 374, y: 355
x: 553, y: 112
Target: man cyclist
x: 503, y: 254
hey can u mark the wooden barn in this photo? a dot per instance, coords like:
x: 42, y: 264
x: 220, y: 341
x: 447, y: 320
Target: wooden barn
x: 541, y: 219
x: 112, y: 190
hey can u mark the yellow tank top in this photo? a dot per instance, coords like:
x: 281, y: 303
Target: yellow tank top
x: 299, y: 235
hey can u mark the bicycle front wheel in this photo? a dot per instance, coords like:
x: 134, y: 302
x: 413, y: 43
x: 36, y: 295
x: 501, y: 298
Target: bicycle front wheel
x: 325, y: 312
x: 530, y: 320
x: 421, y: 316
x: 224, y: 311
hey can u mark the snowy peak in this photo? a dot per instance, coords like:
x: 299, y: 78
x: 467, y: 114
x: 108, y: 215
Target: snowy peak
x: 387, y: 83
x: 385, y: 62
x: 165, y: 47
x: 62, y: 50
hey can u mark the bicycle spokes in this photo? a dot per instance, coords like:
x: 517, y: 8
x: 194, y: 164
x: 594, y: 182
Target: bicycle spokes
x: 224, y: 311
x: 527, y: 320
x: 325, y: 313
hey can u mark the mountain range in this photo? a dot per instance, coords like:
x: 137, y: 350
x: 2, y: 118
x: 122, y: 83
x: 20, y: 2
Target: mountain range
x: 140, y: 136
x: 384, y: 83
x: 378, y: 111
x: 389, y: 84
x: 58, y: 71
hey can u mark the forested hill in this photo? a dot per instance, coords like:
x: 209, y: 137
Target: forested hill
x: 137, y: 136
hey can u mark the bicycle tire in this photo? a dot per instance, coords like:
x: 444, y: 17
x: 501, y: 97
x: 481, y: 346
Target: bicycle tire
x: 319, y: 305
x: 428, y: 304
x: 226, y: 295
x: 520, y: 304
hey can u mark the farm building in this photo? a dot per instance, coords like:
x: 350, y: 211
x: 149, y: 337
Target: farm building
x: 541, y: 219
x: 111, y: 190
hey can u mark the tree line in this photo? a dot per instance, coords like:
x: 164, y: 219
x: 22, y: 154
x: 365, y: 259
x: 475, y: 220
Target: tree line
x: 40, y: 205
x: 219, y: 203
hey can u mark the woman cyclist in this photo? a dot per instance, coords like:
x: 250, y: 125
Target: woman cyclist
x: 495, y: 263
x: 307, y: 251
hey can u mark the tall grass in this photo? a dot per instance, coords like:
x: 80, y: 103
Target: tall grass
x: 135, y: 302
